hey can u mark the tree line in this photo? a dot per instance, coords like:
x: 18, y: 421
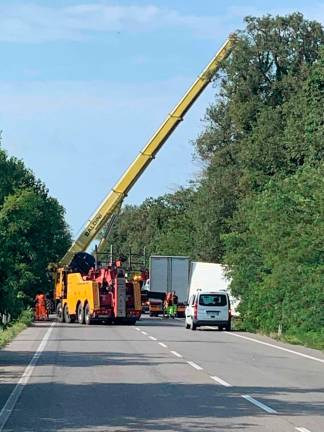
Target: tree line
x: 258, y: 204
x: 33, y: 233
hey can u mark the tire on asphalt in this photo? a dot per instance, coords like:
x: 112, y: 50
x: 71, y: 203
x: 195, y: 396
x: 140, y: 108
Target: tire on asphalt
x: 80, y: 314
x: 193, y: 326
x: 187, y: 326
x: 66, y: 315
x: 228, y: 326
x: 87, y: 316
x: 59, y: 313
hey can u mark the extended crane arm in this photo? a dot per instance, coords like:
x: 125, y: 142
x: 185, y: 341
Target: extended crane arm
x: 122, y: 187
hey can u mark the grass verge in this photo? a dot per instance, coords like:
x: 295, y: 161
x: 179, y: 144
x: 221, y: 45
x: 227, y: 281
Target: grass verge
x: 311, y: 339
x: 13, y: 329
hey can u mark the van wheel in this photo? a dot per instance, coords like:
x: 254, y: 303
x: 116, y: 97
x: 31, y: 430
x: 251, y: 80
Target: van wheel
x: 228, y: 326
x: 187, y: 326
x: 67, y: 317
x: 59, y: 313
x: 80, y: 314
x: 220, y: 328
x: 193, y: 326
x: 87, y: 318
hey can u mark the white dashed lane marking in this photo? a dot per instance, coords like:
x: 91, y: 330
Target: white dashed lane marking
x: 176, y: 354
x: 163, y: 345
x: 220, y: 381
x: 259, y: 404
x: 194, y: 365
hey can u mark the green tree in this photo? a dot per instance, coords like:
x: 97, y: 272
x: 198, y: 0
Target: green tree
x: 161, y: 225
x: 247, y: 139
x: 33, y: 233
x: 276, y: 253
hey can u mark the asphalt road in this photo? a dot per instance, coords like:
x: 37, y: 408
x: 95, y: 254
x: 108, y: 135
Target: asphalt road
x: 157, y: 376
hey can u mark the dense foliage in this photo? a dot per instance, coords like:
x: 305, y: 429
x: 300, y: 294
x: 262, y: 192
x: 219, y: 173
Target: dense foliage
x: 32, y: 234
x: 162, y: 225
x: 258, y: 204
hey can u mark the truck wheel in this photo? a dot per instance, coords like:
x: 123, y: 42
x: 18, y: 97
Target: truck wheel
x: 66, y: 314
x: 59, y: 313
x: 193, y: 325
x: 87, y: 318
x: 80, y: 314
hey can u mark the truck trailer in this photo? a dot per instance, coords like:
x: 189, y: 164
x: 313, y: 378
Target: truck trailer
x: 205, y: 277
x: 170, y: 274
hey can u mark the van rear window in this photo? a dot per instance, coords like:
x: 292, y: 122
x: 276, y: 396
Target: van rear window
x: 212, y: 300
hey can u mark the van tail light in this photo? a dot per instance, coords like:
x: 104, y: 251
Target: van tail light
x: 195, y: 311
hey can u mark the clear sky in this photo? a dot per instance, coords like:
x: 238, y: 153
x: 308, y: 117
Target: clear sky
x: 84, y: 84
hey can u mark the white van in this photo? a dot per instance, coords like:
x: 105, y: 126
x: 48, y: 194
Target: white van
x: 209, y: 308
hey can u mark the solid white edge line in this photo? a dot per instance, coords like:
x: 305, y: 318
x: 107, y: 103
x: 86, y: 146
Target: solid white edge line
x: 302, y: 429
x: 194, y: 365
x: 176, y: 354
x: 16, y: 392
x: 163, y: 345
x: 152, y: 338
x: 259, y: 404
x: 220, y: 381
x: 277, y: 347
x: 144, y: 333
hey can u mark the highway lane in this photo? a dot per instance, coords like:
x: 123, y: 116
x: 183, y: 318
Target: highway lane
x: 288, y: 383
x: 156, y: 376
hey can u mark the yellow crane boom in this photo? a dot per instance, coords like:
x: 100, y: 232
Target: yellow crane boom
x: 134, y: 171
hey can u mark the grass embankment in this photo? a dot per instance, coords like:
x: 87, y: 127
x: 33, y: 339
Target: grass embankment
x: 13, y: 329
x: 309, y: 339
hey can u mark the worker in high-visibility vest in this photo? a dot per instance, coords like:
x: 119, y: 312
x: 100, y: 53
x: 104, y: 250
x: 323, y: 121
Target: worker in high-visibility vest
x: 170, y: 304
x: 41, y: 311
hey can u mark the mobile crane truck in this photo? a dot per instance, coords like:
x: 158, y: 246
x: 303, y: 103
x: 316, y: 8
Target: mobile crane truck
x: 83, y: 289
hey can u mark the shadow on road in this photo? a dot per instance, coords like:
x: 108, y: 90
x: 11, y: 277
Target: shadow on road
x: 146, y: 407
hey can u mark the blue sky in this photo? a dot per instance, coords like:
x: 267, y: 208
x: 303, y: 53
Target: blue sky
x: 84, y: 84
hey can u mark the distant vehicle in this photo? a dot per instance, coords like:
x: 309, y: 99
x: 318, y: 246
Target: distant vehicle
x: 208, y: 309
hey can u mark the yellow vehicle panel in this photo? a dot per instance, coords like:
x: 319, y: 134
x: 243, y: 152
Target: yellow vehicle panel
x: 81, y: 291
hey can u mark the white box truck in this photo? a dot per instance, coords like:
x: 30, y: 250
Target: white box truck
x: 210, y: 277
x: 168, y: 274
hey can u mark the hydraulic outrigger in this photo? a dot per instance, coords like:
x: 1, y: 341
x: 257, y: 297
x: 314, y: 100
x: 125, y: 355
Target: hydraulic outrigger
x: 82, y: 290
